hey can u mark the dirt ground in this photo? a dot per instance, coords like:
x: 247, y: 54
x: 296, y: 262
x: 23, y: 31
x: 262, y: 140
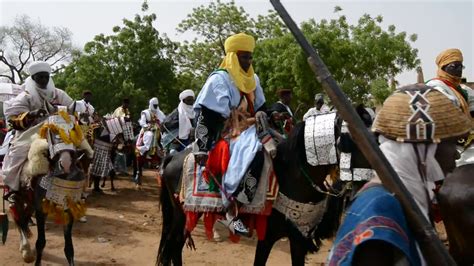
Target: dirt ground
x: 124, y: 228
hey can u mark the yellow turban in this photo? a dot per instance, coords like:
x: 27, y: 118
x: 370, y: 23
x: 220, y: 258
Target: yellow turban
x: 446, y: 57
x: 245, y: 81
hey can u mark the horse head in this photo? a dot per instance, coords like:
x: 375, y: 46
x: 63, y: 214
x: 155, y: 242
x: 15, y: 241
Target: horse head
x: 64, y: 136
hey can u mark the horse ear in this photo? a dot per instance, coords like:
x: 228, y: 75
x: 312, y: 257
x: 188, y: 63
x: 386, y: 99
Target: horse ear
x: 72, y: 108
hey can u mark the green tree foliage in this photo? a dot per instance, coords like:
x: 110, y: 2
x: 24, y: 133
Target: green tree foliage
x: 212, y: 24
x: 356, y: 54
x: 135, y: 62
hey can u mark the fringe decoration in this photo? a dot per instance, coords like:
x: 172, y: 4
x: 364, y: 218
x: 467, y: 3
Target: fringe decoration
x: 60, y: 214
x: 75, y: 135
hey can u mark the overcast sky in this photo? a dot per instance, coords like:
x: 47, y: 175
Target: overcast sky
x: 439, y: 24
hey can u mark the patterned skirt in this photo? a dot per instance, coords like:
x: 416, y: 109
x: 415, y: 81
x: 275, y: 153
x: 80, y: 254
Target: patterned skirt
x: 102, y: 161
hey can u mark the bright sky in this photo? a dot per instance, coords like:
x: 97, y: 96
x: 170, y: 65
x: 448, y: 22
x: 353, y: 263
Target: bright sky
x: 439, y: 24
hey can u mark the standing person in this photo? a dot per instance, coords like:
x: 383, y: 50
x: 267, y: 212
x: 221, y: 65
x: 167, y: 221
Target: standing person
x: 123, y: 110
x: 319, y: 107
x: 418, y: 129
x: 231, y: 92
x: 280, y: 112
x: 85, y: 109
x: 177, y: 126
x: 124, y: 154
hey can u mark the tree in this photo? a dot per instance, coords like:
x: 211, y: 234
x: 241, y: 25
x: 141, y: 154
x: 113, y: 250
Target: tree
x: 356, y: 55
x: 28, y: 41
x: 135, y: 62
x: 213, y: 24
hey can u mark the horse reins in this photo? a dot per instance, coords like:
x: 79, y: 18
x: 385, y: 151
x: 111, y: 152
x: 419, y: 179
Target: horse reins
x: 318, y: 189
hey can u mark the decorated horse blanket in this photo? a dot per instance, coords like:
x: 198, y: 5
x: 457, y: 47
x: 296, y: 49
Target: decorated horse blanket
x: 320, y: 140
x: 202, y: 193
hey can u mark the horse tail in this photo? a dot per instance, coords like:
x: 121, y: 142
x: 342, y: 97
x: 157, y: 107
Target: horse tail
x: 167, y: 214
x: 170, y: 233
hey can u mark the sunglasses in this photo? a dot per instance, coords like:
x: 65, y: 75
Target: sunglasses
x: 456, y: 65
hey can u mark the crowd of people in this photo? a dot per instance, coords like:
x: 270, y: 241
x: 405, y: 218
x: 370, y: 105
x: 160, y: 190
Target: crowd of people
x: 232, y: 95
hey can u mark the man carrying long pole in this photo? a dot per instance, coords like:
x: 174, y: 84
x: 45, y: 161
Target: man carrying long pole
x: 424, y: 232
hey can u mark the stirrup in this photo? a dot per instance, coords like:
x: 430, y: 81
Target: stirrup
x: 236, y: 226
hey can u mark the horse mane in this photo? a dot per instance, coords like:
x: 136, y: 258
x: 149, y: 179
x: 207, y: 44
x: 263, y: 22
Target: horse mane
x: 330, y: 221
x: 294, y: 143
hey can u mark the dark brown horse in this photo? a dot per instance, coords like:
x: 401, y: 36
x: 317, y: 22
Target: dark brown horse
x: 298, y: 181
x: 32, y: 198
x: 456, y: 199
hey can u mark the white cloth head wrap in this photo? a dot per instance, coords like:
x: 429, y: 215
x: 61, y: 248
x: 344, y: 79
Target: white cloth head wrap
x: 154, y: 101
x: 39, y: 66
x: 185, y: 94
x: 185, y: 114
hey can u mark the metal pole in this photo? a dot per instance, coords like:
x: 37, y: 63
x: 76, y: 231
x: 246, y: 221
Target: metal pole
x: 433, y: 250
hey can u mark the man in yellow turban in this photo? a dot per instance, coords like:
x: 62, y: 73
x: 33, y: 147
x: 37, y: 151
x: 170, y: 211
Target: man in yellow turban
x: 232, y: 91
x: 448, y: 80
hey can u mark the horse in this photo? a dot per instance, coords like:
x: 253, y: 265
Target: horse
x: 55, y: 184
x: 153, y: 157
x: 299, y: 183
x: 456, y: 197
x: 109, y: 132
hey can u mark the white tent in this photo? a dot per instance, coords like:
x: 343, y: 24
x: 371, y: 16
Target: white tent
x: 9, y: 91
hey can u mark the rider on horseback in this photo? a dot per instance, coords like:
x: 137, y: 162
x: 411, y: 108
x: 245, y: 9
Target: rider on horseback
x: 448, y: 80
x: 178, y: 125
x: 26, y: 111
x: 232, y: 95
x: 150, y: 121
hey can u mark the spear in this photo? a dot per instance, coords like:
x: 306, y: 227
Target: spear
x: 432, y: 248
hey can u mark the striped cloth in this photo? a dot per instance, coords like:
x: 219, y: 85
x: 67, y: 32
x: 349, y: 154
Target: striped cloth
x: 102, y: 161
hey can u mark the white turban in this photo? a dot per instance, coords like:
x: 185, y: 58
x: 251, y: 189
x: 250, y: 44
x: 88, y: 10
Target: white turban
x: 39, y: 66
x: 185, y: 94
x: 153, y: 101
x: 185, y: 114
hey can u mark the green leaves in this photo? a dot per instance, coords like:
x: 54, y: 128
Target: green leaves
x: 135, y: 62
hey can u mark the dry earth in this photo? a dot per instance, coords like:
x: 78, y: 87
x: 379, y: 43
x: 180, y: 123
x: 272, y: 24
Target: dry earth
x: 124, y: 228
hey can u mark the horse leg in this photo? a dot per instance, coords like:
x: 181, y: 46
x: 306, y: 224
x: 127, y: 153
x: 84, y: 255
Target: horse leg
x: 27, y: 254
x: 103, y: 181
x: 264, y: 247
x: 96, y: 183
x: 298, y: 252
x: 112, y: 177
x: 19, y: 209
x: 41, y: 240
x: 68, y: 246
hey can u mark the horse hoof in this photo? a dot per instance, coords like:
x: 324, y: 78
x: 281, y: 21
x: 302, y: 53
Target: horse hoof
x: 28, y: 255
x: 83, y: 219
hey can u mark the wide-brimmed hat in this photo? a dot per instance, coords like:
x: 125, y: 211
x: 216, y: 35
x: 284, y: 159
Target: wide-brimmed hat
x: 419, y: 113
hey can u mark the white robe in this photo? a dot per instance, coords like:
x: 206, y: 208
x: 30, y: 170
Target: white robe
x: 16, y: 157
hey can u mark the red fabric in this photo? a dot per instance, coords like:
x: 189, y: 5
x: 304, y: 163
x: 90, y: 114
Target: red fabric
x: 191, y: 220
x: 218, y: 160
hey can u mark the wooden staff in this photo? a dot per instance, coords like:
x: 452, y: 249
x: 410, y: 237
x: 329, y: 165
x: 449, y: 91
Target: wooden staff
x: 432, y: 248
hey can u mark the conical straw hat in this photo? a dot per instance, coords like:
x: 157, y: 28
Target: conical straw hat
x: 418, y: 113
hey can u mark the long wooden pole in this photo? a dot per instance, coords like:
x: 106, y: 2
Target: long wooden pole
x: 432, y: 248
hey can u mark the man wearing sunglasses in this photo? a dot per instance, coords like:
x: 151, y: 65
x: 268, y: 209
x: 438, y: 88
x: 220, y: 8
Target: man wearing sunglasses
x: 448, y: 80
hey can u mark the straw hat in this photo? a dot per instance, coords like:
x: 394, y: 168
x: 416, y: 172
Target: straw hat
x: 418, y: 113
